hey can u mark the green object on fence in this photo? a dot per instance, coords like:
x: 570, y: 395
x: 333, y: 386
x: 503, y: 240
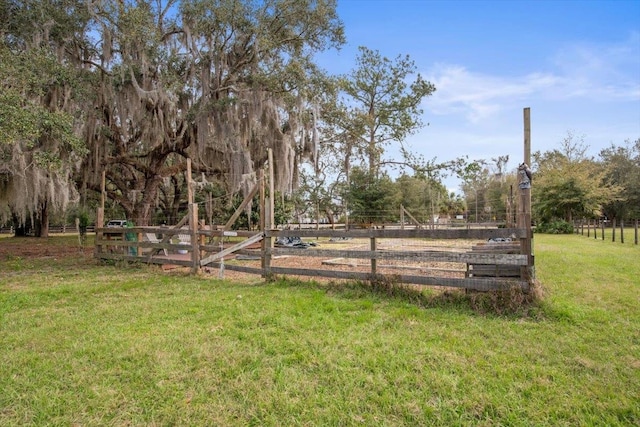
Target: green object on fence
x: 131, y: 237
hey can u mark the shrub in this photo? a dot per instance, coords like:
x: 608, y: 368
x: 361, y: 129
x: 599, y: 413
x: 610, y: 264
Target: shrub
x: 555, y: 227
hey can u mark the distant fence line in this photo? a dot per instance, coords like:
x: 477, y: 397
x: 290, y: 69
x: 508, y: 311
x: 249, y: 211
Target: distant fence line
x: 55, y: 229
x: 617, y: 230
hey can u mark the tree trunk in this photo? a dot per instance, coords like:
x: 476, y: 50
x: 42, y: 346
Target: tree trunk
x: 330, y: 217
x: 41, y: 226
x: 20, y: 230
x: 44, y: 221
x: 373, y: 156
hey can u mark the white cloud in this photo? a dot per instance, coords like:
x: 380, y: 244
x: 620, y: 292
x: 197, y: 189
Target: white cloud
x: 602, y: 72
x: 583, y: 72
x: 480, y: 96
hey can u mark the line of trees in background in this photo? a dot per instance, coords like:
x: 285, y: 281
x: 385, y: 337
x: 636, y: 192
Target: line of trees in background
x: 133, y: 89
x: 569, y: 184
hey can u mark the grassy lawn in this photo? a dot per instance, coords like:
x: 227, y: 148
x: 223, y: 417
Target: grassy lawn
x: 87, y: 344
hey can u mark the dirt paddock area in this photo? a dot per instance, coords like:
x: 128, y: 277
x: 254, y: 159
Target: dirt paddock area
x: 56, y: 246
x: 388, y: 266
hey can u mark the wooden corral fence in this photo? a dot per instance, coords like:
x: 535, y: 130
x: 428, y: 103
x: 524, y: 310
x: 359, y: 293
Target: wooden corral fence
x: 478, y: 259
x: 489, y: 259
x: 388, y: 253
x: 167, y: 245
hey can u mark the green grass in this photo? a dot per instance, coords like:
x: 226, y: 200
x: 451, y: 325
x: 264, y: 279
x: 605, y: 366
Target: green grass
x: 88, y: 344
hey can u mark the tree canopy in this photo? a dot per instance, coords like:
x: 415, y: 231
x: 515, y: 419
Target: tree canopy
x: 40, y: 109
x: 568, y: 183
x: 158, y: 81
x: 215, y: 81
x: 622, y: 169
x: 382, y: 105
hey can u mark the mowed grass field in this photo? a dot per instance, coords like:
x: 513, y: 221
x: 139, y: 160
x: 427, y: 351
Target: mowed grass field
x: 83, y: 344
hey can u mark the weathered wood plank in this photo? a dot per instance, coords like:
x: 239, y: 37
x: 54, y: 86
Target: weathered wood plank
x: 143, y: 244
x: 144, y: 259
x: 220, y: 233
x: 506, y: 247
x: 236, y: 267
x: 476, y: 270
x: 478, y: 234
x: 156, y: 230
x: 480, y: 284
x: 352, y: 263
x: 432, y: 256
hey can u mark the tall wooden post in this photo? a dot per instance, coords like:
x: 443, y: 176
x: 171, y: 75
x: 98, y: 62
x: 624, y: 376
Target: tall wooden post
x: 189, y: 183
x: 374, y: 261
x: 193, y: 232
x: 103, y: 189
x: 193, y: 222
x: 99, y: 234
x: 268, y: 225
x: 262, y: 216
x: 271, y: 191
x: 524, y: 211
x: 262, y: 223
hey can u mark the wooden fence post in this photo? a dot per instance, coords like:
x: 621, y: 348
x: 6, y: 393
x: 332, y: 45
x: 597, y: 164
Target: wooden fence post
x: 595, y: 229
x: 271, y: 199
x: 267, y: 253
x: 613, y: 230
x: 524, y: 210
x: 189, y: 183
x: 621, y: 230
x: 374, y: 261
x: 193, y: 231
x: 636, y: 233
x: 263, y: 222
x: 602, y: 225
x: 99, y: 234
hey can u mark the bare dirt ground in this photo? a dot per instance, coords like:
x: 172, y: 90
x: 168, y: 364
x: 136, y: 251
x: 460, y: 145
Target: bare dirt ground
x: 34, y: 247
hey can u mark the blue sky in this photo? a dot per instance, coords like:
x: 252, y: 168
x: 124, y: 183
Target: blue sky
x: 576, y: 64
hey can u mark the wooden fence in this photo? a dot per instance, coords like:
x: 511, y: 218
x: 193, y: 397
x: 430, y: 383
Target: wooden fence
x: 617, y: 230
x: 479, y: 259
